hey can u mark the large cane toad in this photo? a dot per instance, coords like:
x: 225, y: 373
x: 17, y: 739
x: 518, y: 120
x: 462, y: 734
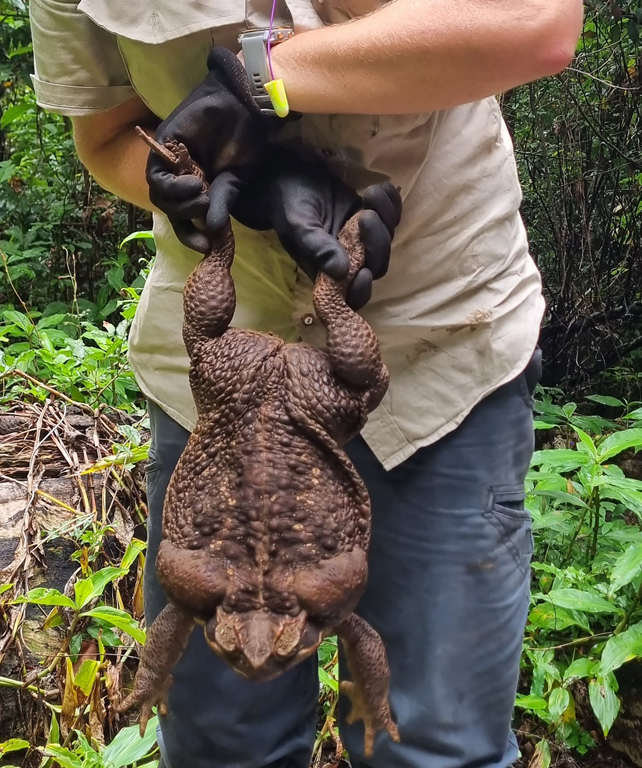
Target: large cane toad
x: 266, y: 523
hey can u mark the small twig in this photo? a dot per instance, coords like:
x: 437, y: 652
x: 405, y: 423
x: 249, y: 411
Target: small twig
x: 38, y: 383
x: 591, y: 640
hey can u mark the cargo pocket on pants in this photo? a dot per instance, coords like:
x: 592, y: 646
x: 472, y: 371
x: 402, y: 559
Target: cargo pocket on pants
x: 505, y: 511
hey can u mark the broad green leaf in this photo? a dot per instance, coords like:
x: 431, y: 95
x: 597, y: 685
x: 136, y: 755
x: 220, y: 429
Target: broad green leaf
x: 627, y: 567
x: 569, y: 498
x: 118, y: 619
x: 87, y: 589
x: 13, y: 112
x: 50, y: 321
x: 558, y: 701
x: 86, y: 675
x: 136, y: 546
x: 13, y: 745
x: 604, y: 702
x: 129, y: 433
x: 579, y: 668
x: 605, y: 400
x: 536, y: 703
x: 54, y: 730
x: 63, y: 756
x: 620, y: 441
x: 549, y: 616
x: 142, y: 235
x: 579, y: 600
x: 587, y: 442
x: 128, y: 746
x: 5, y: 588
x: 42, y: 596
x: 541, y: 756
x: 621, y: 648
x: 560, y: 459
x: 19, y: 319
x: 327, y: 680
x: 635, y: 415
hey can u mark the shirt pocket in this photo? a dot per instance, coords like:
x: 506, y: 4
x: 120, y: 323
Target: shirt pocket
x: 506, y: 512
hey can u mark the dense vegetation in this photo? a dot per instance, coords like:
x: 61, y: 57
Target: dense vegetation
x: 69, y: 284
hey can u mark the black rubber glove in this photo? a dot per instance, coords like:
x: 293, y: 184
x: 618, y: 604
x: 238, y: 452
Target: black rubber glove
x: 223, y: 130
x: 307, y: 206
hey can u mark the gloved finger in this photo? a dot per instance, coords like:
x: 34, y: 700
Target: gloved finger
x: 190, y: 236
x: 385, y: 200
x: 223, y: 193
x: 311, y: 244
x: 360, y: 291
x: 195, y: 208
x: 376, y: 243
x: 174, y: 187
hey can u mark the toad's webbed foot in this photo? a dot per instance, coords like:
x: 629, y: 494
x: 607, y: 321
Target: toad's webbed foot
x: 368, y: 692
x: 166, y: 641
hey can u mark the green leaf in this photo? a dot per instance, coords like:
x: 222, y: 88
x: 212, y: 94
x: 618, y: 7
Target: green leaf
x: 604, y: 702
x: 119, y: 619
x: 605, y: 400
x: 579, y: 668
x: 42, y: 596
x: 558, y: 701
x: 548, y: 616
x: 327, y: 680
x: 63, y: 756
x: 587, y: 442
x: 535, y: 703
x: 620, y: 441
x: 541, y: 756
x: 569, y: 498
x: 620, y: 649
x: 635, y: 415
x: 143, y: 235
x: 128, y: 746
x: 627, y: 567
x: 560, y: 459
x: 86, y: 675
x: 5, y: 588
x: 129, y: 433
x: 13, y: 113
x: 136, y: 546
x: 19, y: 319
x: 87, y: 589
x: 50, y: 321
x: 578, y: 600
x: 13, y: 745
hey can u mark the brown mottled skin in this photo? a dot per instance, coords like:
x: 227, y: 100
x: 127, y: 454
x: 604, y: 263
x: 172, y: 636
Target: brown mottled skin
x: 266, y: 523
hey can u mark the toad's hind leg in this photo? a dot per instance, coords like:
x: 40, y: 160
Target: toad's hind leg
x: 368, y: 690
x: 352, y: 345
x: 166, y: 640
x: 209, y: 299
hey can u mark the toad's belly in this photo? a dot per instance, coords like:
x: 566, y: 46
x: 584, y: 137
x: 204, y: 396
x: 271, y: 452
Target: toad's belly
x: 261, y: 494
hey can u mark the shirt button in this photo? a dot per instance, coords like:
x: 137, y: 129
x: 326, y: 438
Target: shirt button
x: 307, y: 319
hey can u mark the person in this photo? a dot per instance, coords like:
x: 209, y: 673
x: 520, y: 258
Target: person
x: 396, y: 94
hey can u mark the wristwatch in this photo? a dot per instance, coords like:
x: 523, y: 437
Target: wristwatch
x: 255, y: 54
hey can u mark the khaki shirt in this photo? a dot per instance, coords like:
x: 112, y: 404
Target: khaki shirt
x: 458, y: 313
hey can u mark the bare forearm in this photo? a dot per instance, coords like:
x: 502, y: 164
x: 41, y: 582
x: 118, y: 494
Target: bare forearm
x: 424, y: 55
x: 117, y: 157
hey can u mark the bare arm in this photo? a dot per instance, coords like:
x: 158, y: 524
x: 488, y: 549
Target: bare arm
x: 424, y: 55
x: 111, y: 151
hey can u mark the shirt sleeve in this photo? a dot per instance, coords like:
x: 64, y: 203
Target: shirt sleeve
x: 78, y: 66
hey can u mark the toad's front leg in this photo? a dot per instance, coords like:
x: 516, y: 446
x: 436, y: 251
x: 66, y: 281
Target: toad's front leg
x: 368, y: 690
x: 166, y: 640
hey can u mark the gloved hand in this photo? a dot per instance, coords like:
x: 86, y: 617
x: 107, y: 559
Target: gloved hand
x: 223, y: 130
x: 307, y: 206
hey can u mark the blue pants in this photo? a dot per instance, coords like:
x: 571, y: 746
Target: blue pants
x: 447, y: 591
